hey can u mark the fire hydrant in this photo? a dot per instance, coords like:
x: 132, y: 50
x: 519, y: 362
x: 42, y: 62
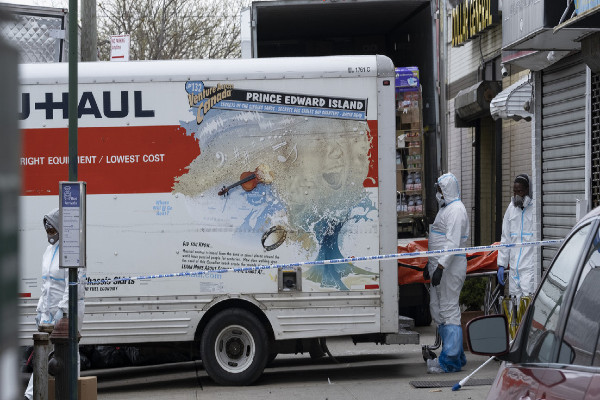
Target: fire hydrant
x: 58, y: 365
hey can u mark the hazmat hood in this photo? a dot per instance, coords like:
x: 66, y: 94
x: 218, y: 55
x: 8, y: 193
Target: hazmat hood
x: 514, y: 102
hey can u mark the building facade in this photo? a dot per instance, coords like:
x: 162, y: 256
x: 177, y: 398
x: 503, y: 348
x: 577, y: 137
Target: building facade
x: 540, y: 64
x: 484, y: 150
x: 561, y: 46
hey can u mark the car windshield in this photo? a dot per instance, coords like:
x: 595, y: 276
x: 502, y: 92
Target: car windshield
x: 583, y: 325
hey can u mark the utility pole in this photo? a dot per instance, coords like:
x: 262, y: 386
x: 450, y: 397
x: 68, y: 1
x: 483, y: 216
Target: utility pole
x: 89, y: 31
x: 73, y: 127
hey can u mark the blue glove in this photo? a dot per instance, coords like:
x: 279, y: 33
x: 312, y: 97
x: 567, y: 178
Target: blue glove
x: 501, y: 275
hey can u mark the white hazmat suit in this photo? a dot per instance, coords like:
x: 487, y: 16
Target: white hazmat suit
x: 449, y: 230
x: 54, y: 299
x: 518, y: 226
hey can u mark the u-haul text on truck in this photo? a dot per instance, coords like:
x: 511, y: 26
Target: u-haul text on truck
x: 203, y: 165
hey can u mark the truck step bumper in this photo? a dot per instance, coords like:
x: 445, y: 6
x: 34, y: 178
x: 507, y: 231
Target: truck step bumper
x: 405, y: 322
x: 404, y: 336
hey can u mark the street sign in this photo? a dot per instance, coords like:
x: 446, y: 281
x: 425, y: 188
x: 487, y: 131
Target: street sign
x: 72, y: 226
x: 119, y: 48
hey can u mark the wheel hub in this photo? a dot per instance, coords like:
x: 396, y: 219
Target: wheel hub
x: 234, y: 348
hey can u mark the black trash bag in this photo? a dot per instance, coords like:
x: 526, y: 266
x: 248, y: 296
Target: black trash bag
x: 109, y: 357
x: 87, y: 350
x: 84, y: 362
x: 27, y: 359
x: 153, y: 355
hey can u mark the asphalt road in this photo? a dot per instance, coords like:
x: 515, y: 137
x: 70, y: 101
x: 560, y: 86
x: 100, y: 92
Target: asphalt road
x: 363, y: 371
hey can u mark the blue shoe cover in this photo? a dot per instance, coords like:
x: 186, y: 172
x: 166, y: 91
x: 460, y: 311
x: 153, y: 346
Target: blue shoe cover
x: 452, y: 358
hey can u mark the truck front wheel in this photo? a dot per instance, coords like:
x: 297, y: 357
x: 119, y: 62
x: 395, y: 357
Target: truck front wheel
x: 234, y: 347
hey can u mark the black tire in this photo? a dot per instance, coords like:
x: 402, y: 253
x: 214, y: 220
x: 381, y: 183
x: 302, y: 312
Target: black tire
x: 234, y: 347
x: 271, y: 358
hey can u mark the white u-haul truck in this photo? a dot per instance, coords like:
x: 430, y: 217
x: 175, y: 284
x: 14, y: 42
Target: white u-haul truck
x: 199, y: 166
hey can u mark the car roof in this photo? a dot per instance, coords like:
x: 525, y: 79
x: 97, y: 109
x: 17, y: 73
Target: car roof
x: 592, y: 214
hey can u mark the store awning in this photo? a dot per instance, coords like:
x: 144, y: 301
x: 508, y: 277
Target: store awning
x: 514, y: 102
x: 474, y: 102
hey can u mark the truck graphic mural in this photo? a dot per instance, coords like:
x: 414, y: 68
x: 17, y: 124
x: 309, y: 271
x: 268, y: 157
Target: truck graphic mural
x: 291, y: 166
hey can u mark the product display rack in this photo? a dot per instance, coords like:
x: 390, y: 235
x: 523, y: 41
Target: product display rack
x: 410, y: 172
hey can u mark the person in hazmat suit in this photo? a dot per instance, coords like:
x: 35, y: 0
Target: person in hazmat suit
x: 447, y: 271
x: 54, y: 299
x: 518, y: 226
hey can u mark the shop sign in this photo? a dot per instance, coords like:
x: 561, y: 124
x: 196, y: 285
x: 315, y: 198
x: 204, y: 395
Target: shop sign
x: 471, y: 17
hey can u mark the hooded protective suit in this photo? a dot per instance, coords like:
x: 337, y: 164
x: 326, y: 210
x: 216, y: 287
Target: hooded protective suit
x: 519, y: 226
x: 54, y: 299
x: 449, y: 230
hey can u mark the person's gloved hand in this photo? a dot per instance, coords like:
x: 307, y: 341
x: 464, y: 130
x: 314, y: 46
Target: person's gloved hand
x: 426, y: 272
x: 44, y: 319
x: 501, y: 275
x: 437, y: 276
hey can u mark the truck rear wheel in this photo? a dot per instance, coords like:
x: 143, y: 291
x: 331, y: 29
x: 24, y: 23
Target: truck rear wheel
x: 234, y: 347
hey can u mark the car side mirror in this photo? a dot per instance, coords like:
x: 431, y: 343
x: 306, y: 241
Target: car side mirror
x: 488, y: 335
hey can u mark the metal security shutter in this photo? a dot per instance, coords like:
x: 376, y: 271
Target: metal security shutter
x: 595, y: 118
x: 563, y: 148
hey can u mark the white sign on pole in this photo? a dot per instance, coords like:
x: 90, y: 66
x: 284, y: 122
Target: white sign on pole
x: 72, y: 226
x: 119, y: 48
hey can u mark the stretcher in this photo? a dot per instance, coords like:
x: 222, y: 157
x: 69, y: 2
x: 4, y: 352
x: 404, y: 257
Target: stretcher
x: 479, y: 264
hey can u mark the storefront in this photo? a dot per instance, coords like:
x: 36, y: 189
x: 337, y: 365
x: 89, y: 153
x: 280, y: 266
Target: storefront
x: 561, y: 56
x: 474, y: 140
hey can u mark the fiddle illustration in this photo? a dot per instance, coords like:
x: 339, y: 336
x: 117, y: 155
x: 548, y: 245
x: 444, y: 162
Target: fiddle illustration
x: 249, y: 179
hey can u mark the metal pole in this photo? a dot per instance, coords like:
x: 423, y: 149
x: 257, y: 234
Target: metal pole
x: 9, y: 195
x: 73, y: 116
x: 73, y: 97
x: 443, y: 133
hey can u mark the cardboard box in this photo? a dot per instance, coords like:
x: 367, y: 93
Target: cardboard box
x: 408, y: 99
x: 87, y: 388
x: 410, y: 116
x: 407, y: 78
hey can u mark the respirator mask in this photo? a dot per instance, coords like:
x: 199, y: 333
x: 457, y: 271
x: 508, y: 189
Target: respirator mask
x: 440, y: 200
x: 521, y: 202
x: 51, y: 232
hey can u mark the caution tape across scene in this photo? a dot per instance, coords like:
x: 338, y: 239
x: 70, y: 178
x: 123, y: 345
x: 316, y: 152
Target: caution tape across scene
x: 428, y: 253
